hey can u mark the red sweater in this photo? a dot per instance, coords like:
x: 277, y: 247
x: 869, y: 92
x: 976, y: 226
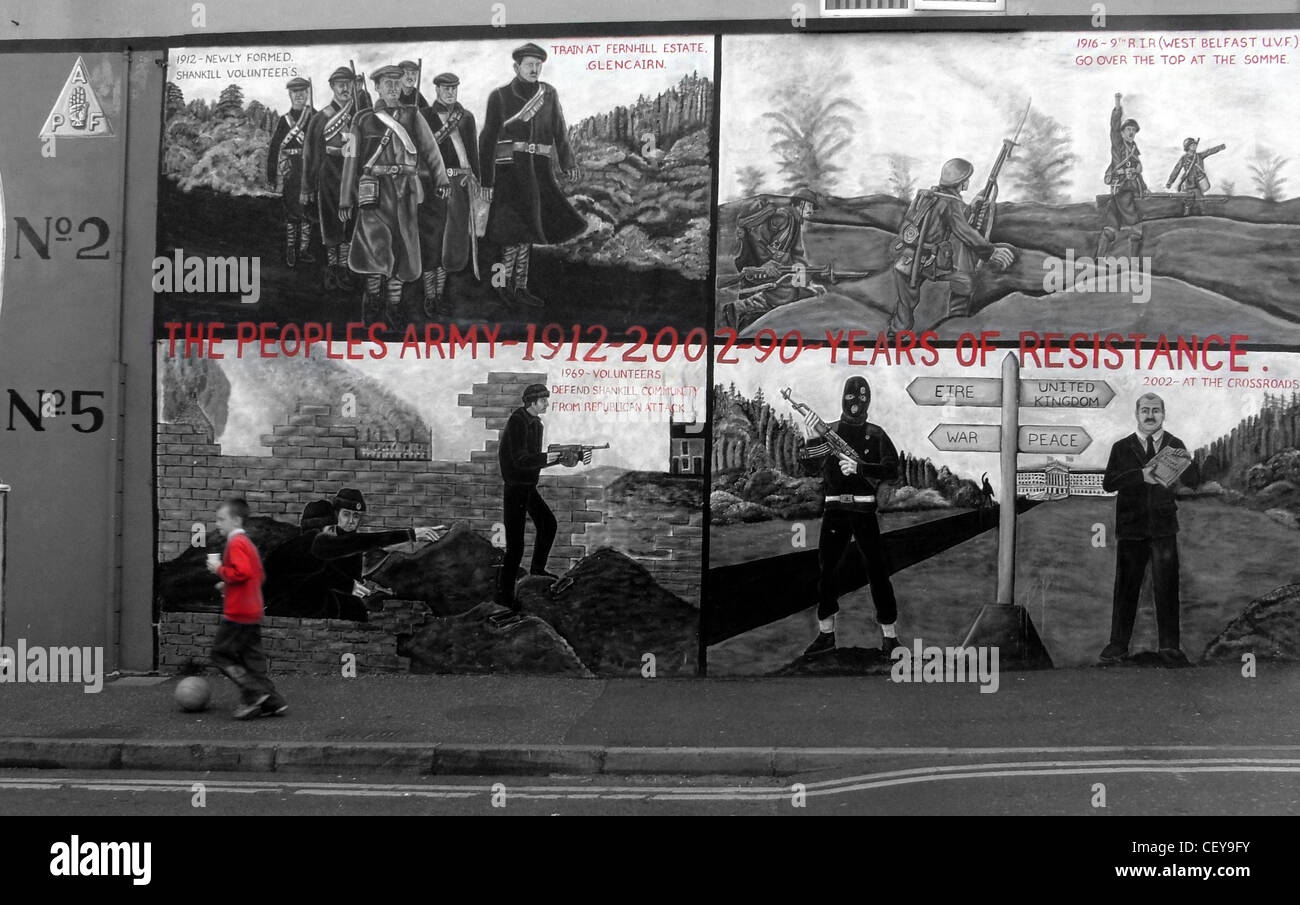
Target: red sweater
x: 241, y: 570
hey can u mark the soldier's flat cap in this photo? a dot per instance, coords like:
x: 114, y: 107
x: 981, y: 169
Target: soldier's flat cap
x: 528, y: 50
x: 386, y: 72
x: 342, y: 74
x: 410, y: 65
x: 446, y: 79
x: 297, y: 84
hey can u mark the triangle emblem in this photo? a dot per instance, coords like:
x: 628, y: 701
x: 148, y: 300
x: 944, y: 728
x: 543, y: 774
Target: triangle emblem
x: 77, y: 113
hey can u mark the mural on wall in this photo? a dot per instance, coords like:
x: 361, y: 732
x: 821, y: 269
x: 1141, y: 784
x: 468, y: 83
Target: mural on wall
x: 1070, y: 188
x: 505, y: 182
x: 899, y: 523
x: 490, y: 514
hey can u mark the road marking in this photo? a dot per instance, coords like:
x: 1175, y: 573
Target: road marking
x: 840, y: 786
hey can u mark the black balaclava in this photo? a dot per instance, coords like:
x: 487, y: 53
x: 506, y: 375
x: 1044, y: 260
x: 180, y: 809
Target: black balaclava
x: 856, y: 399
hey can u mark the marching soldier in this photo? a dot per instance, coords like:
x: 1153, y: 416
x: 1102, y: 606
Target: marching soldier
x: 447, y: 236
x: 1194, y: 182
x: 937, y: 244
x: 284, y: 165
x: 411, y: 95
x: 769, y: 237
x: 1123, y: 216
x: 381, y: 182
x: 523, y: 134
x: 327, y: 136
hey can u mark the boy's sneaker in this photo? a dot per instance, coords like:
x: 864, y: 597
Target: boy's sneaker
x: 824, y: 643
x: 248, y: 711
x: 274, y: 706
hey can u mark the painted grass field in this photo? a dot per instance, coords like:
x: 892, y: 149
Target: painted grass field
x: 1229, y: 555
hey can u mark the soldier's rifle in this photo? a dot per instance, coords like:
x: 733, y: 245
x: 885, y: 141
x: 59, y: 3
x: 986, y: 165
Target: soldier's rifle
x: 982, y: 208
x: 838, y: 444
x: 786, y: 274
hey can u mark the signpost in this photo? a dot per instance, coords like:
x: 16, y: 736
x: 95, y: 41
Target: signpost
x: 1004, y: 624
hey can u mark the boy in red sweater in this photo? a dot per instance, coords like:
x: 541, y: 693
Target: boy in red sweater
x: 237, y: 649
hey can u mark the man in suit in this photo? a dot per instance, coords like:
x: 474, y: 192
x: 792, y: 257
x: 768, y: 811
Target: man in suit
x: 1146, y: 527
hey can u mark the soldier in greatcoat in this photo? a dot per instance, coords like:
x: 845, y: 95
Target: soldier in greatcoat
x: 446, y: 225
x: 284, y: 169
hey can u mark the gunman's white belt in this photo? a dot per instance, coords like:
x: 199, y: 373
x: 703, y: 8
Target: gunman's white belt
x: 850, y: 498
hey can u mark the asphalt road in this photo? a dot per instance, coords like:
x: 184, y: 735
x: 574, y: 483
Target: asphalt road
x: 1171, y: 782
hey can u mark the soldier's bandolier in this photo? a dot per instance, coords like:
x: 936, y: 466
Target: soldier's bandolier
x: 446, y: 225
x: 382, y: 181
x: 523, y: 134
x: 327, y: 139
x: 284, y: 168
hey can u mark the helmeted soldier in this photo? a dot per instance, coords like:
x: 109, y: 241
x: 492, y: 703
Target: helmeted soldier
x: 937, y: 244
x: 382, y: 182
x: 411, y: 95
x: 523, y: 136
x: 851, y: 487
x: 327, y: 138
x: 769, y: 239
x: 1123, y: 215
x: 284, y: 167
x: 447, y: 237
x: 1194, y: 182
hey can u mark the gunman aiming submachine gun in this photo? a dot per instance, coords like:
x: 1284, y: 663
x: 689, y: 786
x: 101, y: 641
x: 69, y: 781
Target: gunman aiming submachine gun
x: 838, y: 444
x: 574, y: 452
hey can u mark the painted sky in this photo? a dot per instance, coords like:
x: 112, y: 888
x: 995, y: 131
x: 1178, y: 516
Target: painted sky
x: 431, y: 388
x: 1195, y: 414
x: 481, y: 65
x: 936, y: 96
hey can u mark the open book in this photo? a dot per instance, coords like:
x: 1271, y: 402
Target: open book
x: 1169, y: 464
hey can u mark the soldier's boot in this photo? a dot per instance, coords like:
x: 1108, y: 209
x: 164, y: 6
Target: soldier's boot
x: 344, y: 273
x: 291, y: 244
x: 522, y: 295
x: 506, y: 291
x: 432, y: 299
x: 393, y: 300
x: 371, y: 303
x: 442, y: 288
x: 1104, y: 240
x: 329, y: 277
x: 304, y: 243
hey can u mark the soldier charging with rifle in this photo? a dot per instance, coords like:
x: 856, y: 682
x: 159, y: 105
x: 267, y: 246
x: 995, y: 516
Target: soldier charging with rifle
x: 942, y: 240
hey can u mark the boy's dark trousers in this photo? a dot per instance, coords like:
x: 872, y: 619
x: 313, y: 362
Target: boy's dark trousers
x: 521, y: 500
x: 237, y: 652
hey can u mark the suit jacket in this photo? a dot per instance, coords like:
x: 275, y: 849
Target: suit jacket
x: 1143, y: 510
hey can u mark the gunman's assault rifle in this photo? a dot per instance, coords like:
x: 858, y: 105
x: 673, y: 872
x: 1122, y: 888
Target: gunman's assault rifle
x: 985, y: 203
x: 574, y: 452
x: 785, y: 275
x: 838, y: 444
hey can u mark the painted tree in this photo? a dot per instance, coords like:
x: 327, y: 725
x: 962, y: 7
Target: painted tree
x: 750, y: 179
x: 231, y: 102
x: 1041, y: 163
x: 1266, y: 173
x: 901, y: 181
x: 808, y: 131
x: 175, y: 100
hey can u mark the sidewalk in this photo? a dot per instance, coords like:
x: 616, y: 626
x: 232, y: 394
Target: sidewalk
x: 482, y: 725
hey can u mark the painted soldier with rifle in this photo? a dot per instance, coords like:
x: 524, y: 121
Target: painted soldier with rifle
x: 1190, y: 173
x: 382, y: 183
x: 284, y: 168
x: 944, y: 241
x: 447, y: 237
x: 323, y: 153
x: 411, y: 95
x: 1123, y: 214
x: 852, y: 456
x: 523, y: 143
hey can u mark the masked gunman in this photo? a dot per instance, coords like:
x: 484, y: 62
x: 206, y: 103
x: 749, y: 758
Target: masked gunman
x: 937, y: 244
x: 850, y: 485
x: 382, y: 183
x: 524, y: 140
x: 284, y: 168
x: 327, y: 137
x: 446, y: 228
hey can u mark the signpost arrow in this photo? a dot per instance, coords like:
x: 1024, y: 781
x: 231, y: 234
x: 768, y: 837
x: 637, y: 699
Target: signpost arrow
x: 987, y: 392
x: 967, y: 437
x: 1043, y: 439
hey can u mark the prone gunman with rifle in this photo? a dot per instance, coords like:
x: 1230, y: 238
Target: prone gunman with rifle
x: 944, y: 240
x: 853, y: 456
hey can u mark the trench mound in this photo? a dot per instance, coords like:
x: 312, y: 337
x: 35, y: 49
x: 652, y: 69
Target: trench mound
x: 472, y: 643
x: 1269, y: 628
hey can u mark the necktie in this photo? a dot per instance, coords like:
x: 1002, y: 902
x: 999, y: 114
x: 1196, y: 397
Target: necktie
x: 1151, y: 447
